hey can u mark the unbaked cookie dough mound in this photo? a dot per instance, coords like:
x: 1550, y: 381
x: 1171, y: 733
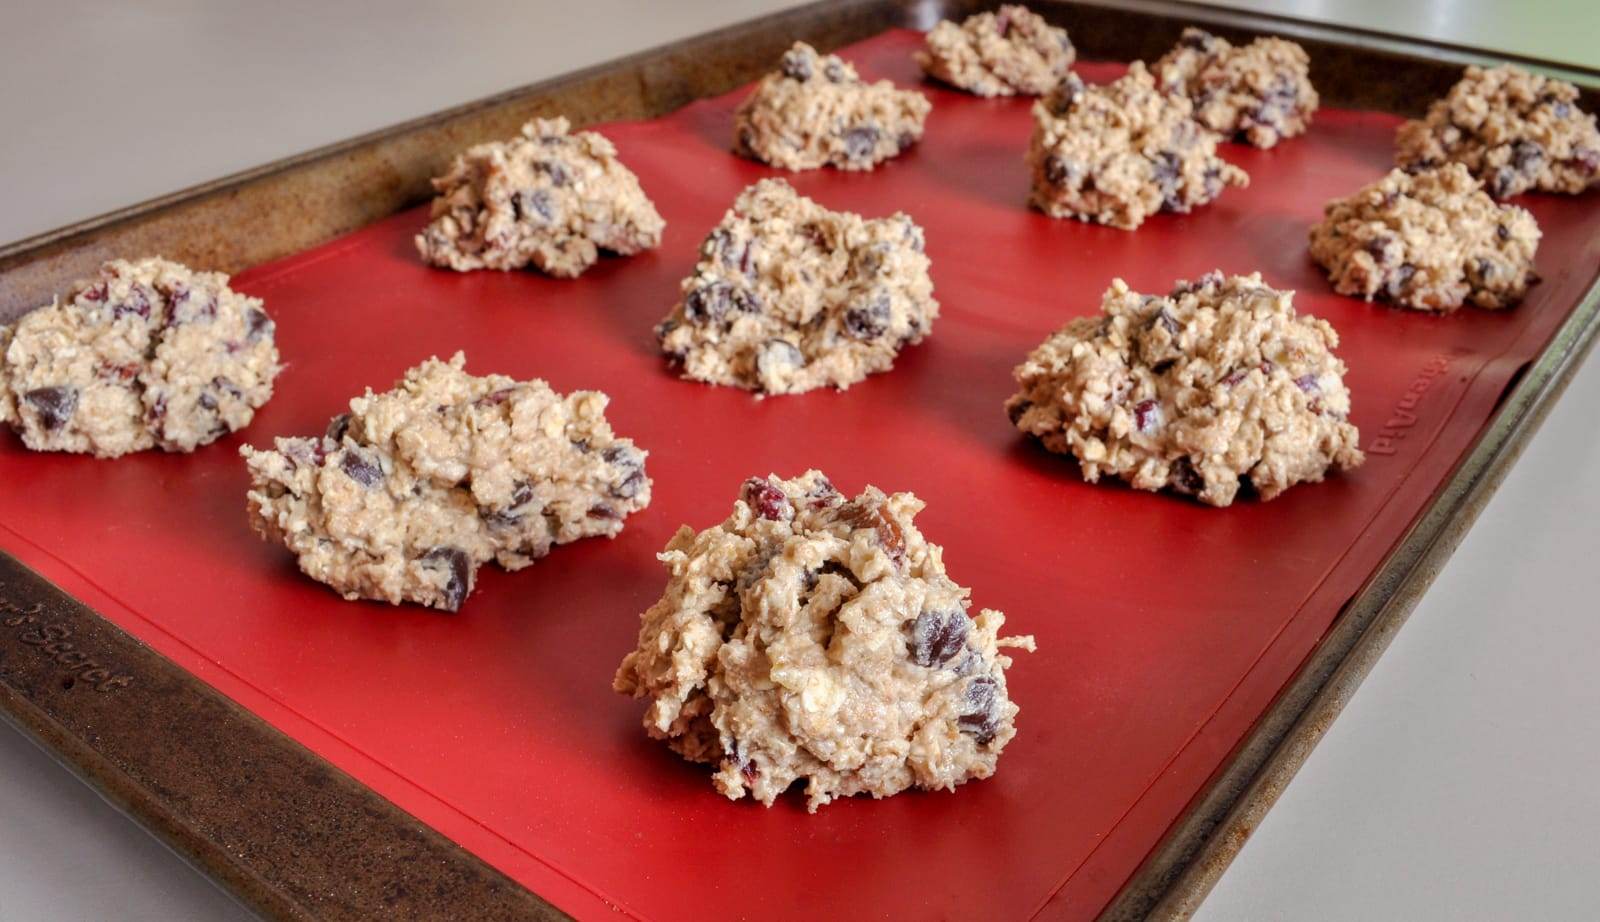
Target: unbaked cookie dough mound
x: 1515, y: 131
x: 810, y: 637
x: 1216, y: 385
x: 1259, y: 93
x: 148, y: 354
x: 408, y: 494
x: 789, y: 296
x: 1117, y: 154
x: 549, y: 199
x: 1006, y: 53
x: 815, y: 111
x: 1430, y: 240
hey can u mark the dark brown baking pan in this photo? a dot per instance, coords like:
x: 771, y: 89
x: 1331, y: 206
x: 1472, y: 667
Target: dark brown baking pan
x: 296, y: 837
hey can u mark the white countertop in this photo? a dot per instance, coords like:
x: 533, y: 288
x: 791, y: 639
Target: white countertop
x: 1460, y: 781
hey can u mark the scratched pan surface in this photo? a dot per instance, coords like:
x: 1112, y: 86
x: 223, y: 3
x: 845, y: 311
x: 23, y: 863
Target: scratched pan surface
x: 1164, y: 628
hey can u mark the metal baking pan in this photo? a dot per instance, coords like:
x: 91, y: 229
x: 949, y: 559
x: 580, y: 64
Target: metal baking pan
x: 304, y: 821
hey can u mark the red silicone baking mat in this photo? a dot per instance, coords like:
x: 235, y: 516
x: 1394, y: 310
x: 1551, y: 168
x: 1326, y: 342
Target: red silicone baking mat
x: 1164, y: 627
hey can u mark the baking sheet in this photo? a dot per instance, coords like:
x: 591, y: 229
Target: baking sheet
x: 1165, y: 627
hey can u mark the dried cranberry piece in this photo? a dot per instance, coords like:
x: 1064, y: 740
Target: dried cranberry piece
x: 860, y: 141
x: 156, y: 415
x: 120, y: 373
x: 1587, y: 159
x: 870, y: 320
x: 750, y: 770
x: 823, y: 493
x: 875, y: 517
x: 360, y: 467
x: 1308, y: 384
x: 766, y: 500
x: 980, y: 715
x: 95, y: 292
x: 137, y: 303
x: 460, y: 575
x: 1503, y: 232
x: 1147, y: 416
x: 604, y: 511
x: 207, y: 402
x: 54, y: 405
x: 937, y: 636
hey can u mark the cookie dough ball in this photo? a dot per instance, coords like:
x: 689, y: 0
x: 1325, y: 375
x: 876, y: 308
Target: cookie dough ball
x: 1212, y: 386
x: 1006, y: 53
x: 818, y: 638
x: 149, y: 354
x: 1515, y: 131
x: 1260, y: 93
x: 789, y: 296
x: 1119, y: 153
x: 1431, y: 240
x: 815, y: 112
x: 547, y: 199
x: 408, y: 494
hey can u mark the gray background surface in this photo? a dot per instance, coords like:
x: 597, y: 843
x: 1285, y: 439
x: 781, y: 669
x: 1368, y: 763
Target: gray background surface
x: 1460, y: 782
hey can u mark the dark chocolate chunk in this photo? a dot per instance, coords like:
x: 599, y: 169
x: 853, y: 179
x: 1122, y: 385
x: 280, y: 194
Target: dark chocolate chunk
x: 361, y: 467
x: 459, y: 569
x: 937, y: 636
x: 54, y: 405
x: 980, y: 716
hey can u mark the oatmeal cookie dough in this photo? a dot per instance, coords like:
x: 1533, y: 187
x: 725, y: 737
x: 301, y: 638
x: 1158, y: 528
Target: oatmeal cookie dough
x: 818, y: 638
x: 1515, y: 131
x: 1201, y: 391
x: 148, y: 354
x: 815, y: 111
x: 1006, y: 53
x: 1430, y: 240
x: 1117, y: 154
x: 548, y: 198
x: 408, y: 494
x: 789, y: 296
x: 1260, y: 93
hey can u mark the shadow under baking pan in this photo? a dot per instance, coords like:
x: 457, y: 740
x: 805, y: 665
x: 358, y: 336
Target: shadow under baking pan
x: 1164, y: 627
